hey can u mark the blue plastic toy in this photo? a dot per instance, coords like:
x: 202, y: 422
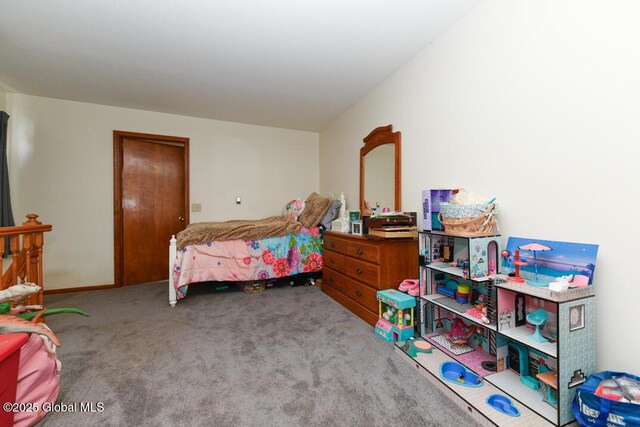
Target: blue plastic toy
x: 395, y: 312
x: 538, y: 318
x: 523, y: 369
x: 457, y: 374
x: 503, y: 404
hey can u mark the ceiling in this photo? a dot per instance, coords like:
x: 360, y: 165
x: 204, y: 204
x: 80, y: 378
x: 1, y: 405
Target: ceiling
x: 293, y: 64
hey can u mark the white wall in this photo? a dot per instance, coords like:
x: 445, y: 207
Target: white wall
x: 3, y: 100
x: 61, y: 167
x: 536, y: 103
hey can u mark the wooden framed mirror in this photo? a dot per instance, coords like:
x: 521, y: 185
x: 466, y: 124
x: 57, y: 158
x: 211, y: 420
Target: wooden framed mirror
x: 380, y: 170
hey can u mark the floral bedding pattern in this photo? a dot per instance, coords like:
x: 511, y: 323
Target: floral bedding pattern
x: 238, y: 260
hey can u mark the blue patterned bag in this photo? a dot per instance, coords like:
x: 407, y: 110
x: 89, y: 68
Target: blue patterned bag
x: 595, y: 411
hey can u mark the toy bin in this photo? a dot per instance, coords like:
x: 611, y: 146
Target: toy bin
x: 608, y: 399
x: 395, y: 315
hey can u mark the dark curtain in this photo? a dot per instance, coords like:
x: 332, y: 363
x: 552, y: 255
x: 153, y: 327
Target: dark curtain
x: 6, y: 215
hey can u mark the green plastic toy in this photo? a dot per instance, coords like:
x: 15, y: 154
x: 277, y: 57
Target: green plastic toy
x: 6, y: 307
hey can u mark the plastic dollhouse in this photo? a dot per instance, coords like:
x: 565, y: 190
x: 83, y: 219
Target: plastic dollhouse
x: 396, y: 321
x: 531, y: 345
x: 477, y: 257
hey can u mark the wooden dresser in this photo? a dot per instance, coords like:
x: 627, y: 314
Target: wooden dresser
x: 355, y: 268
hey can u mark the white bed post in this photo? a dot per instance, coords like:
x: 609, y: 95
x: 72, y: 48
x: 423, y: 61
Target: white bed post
x: 172, y: 258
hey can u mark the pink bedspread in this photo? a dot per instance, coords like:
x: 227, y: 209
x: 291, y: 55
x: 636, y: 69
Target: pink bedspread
x: 238, y: 260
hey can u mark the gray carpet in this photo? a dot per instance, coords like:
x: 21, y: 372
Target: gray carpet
x: 288, y: 356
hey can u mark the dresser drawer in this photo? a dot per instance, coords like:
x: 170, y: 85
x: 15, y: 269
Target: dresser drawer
x: 333, y: 260
x: 362, y: 294
x: 333, y: 279
x: 365, y: 251
x: 363, y: 271
x: 361, y: 266
x: 333, y: 243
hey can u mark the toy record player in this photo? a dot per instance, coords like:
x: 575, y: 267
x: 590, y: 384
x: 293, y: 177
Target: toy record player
x: 393, y: 225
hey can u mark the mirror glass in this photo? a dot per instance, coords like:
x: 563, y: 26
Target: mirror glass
x: 380, y: 171
x: 379, y: 181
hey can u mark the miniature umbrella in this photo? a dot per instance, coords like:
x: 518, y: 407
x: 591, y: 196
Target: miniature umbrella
x: 534, y: 247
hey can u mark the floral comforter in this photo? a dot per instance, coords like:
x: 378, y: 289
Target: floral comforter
x: 238, y: 260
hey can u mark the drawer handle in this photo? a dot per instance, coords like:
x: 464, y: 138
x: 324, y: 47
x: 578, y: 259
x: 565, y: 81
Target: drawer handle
x: 331, y: 279
x: 359, y: 251
x: 359, y: 270
x: 332, y: 260
x: 333, y: 244
x: 359, y: 292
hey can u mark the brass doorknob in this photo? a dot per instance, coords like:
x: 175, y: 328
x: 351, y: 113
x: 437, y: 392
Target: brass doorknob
x: 181, y: 218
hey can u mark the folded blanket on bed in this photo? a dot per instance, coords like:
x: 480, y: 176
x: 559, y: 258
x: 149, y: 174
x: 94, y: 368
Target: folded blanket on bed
x: 203, y: 232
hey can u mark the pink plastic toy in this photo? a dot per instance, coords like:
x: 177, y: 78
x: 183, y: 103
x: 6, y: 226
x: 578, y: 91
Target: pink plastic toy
x: 460, y: 332
x: 518, y: 264
x: 580, y: 280
x: 410, y: 286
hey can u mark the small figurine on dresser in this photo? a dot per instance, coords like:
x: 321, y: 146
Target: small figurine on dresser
x: 341, y: 224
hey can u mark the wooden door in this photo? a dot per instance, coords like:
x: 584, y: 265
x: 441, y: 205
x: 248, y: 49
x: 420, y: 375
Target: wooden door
x: 153, y: 201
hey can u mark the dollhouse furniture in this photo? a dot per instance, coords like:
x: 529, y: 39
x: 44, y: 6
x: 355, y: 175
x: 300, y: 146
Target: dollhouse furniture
x: 548, y: 383
x: 459, y: 332
x: 395, y: 312
x: 580, y: 281
x: 505, y: 319
x: 356, y: 268
x: 539, y: 378
x: 518, y: 263
x: 456, y: 373
x: 503, y: 404
x: 538, y: 318
x: 418, y: 345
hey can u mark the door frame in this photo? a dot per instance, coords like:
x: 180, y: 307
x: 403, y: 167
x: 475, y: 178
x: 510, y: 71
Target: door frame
x: 118, y: 223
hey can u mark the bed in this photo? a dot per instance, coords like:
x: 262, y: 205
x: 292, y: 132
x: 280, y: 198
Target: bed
x: 238, y: 251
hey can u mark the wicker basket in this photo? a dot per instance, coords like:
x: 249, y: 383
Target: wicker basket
x: 481, y: 225
x: 451, y: 210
